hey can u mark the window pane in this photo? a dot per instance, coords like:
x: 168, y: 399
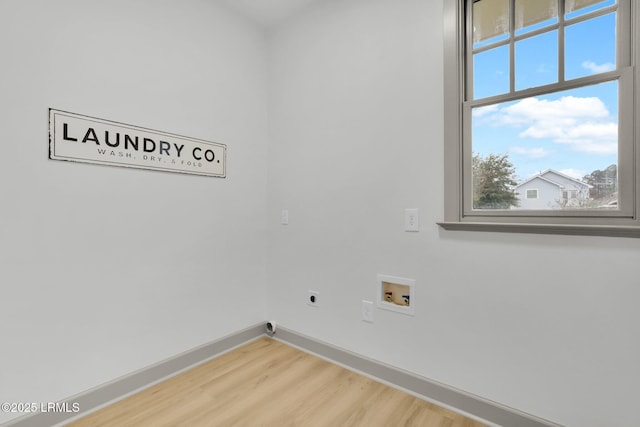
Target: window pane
x: 596, y: 56
x: 562, y: 142
x: 491, y: 72
x: 537, y: 60
x: 490, y: 21
x: 534, y: 14
x: 575, y: 8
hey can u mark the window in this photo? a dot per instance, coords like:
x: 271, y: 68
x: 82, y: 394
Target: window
x: 541, y: 91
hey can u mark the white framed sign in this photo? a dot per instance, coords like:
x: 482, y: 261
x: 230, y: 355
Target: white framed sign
x: 78, y: 138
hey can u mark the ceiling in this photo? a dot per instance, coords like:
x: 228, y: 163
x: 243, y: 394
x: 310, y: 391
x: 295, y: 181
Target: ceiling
x: 267, y: 12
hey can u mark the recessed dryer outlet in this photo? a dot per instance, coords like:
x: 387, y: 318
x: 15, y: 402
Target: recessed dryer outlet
x: 313, y: 298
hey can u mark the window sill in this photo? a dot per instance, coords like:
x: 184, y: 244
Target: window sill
x: 572, y: 230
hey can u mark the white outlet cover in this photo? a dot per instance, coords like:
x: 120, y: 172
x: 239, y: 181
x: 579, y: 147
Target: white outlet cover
x: 367, y: 311
x: 411, y: 220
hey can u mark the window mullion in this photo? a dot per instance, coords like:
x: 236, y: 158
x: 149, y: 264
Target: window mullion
x: 561, y: 44
x: 512, y: 46
x: 468, y: 89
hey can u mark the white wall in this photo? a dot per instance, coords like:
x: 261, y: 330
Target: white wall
x: 545, y: 324
x: 107, y: 270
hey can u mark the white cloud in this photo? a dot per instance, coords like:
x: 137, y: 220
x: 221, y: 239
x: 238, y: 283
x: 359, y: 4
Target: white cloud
x: 532, y: 153
x: 595, y: 138
x: 583, y: 123
x: 598, y: 68
x: 565, y: 110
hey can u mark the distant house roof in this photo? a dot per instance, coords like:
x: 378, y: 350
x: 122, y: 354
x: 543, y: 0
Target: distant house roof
x: 545, y: 176
x: 535, y: 177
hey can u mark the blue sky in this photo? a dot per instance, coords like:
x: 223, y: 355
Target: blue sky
x: 574, y: 131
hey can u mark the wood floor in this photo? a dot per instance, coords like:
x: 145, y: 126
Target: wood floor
x: 267, y: 383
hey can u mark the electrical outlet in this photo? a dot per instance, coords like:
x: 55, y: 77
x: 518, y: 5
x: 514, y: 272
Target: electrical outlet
x: 411, y: 220
x: 313, y: 298
x: 367, y: 311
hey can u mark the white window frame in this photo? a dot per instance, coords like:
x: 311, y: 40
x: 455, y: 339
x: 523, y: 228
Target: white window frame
x: 459, y: 214
x: 526, y: 193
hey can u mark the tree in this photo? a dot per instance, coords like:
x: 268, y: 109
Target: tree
x: 603, y: 182
x: 493, y: 182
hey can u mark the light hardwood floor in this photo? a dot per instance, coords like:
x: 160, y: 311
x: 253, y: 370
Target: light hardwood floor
x: 267, y: 383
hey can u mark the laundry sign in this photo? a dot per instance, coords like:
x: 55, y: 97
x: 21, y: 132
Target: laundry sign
x: 78, y: 138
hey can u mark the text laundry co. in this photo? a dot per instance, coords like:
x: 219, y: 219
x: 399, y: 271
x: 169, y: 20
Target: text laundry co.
x: 80, y: 138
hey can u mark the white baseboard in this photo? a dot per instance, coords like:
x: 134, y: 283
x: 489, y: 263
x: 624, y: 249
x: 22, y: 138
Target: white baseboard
x: 460, y: 401
x: 457, y: 400
x: 120, y: 388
